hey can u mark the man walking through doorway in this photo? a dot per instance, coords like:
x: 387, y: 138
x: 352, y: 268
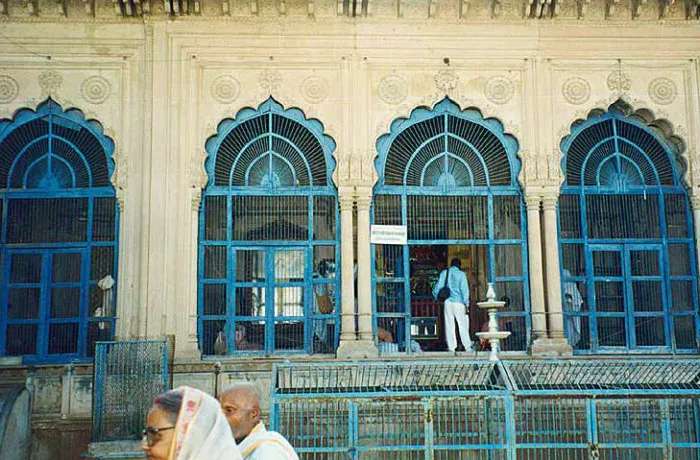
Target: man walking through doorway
x: 456, y: 305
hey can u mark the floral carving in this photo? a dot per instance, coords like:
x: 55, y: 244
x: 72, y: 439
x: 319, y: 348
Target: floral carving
x: 662, y: 90
x: 96, y: 89
x: 9, y: 89
x: 225, y: 89
x: 270, y: 80
x: 50, y: 81
x: 576, y: 90
x: 446, y: 81
x: 315, y: 89
x: 499, y: 90
x: 393, y: 89
x: 619, y: 81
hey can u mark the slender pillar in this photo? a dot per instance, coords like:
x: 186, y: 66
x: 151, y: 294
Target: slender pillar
x: 534, y: 248
x: 556, y: 344
x: 347, y: 281
x: 364, y: 287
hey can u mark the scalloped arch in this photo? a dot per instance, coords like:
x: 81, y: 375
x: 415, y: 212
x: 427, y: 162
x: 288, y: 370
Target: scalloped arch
x: 660, y: 148
x: 219, y: 146
x: 95, y: 147
x: 475, y: 133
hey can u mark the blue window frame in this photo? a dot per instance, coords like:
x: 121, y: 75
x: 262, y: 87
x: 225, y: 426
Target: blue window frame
x: 269, y: 236
x: 627, y: 248
x: 450, y: 176
x: 59, y: 221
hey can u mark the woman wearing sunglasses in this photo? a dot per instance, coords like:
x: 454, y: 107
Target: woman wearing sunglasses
x: 187, y: 424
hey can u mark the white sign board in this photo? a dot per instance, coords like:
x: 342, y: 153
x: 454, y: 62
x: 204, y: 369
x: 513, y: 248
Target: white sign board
x: 388, y: 234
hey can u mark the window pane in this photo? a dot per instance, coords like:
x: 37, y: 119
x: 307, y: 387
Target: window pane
x: 23, y: 303
x: 387, y: 209
x: 390, y: 298
x: 682, y: 295
x: 215, y: 262
x: 215, y: 221
x: 250, y: 266
x: 250, y: 301
x: 47, y: 220
x: 647, y: 296
x: 214, y: 299
x: 612, y: 332
x: 284, y: 218
x: 66, y: 267
x: 573, y: 259
x: 289, y: 266
x: 447, y: 217
x: 684, y: 330
x: 510, y: 292
x: 679, y: 259
x: 101, y: 262
x: 388, y: 261
x: 324, y: 218
x: 325, y: 265
x: 518, y: 337
x: 104, y: 219
x: 26, y: 268
x: 289, y: 335
x: 607, y: 263
x: 65, y: 302
x: 213, y: 338
x: 623, y: 216
x: 509, y: 260
x: 610, y: 296
x: 650, y: 331
x: 570, y: 216
x: 250, y: 336
x: 63, y: 338
x: 506, y: 217
x: 101, y: 302
x: 676, y: 216
x: 645, y: 263
x: 21, y: 339
x: 98, y: 331
x: 289, y: 301
x: 577, y: 332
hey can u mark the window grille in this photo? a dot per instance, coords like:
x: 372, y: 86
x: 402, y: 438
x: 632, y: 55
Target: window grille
x: 626, y: 240
x: 449, y: 176
x: 58, y: 238
x: 269, y: 243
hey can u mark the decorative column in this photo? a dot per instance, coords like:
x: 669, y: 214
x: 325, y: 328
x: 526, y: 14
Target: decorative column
x: 366, y: 345
x: 348, y: 334
x: 556, y: 344
x: 534, y: 249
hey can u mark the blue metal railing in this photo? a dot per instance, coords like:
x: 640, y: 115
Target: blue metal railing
x: 128, y: 376
x: 582, y: 409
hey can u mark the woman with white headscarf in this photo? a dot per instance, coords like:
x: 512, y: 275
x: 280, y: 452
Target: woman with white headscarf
x: 187, y: 424
x: 572, y: 303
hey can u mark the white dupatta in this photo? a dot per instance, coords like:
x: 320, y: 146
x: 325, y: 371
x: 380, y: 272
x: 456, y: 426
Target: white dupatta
x: 202, y: 432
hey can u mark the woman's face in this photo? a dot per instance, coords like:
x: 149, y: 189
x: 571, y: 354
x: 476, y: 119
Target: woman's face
x: 162, y: 440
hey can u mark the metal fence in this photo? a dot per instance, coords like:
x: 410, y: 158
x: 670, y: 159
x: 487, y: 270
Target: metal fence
x: 532, y: 410
x: 128, y: 376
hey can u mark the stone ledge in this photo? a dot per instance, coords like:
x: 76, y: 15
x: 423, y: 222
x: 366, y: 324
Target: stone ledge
x: 124, y: 450
x: 551, y: 348
x: 357, y: 349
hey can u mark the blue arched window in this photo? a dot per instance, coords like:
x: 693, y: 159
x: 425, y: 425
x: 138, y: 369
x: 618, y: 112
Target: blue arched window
x: 450, y: 177
x: 626, y: 237
x: 58, y: 242
x: 268, y: 231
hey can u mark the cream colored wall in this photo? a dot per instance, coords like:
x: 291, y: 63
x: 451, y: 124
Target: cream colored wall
x: 161, y: 84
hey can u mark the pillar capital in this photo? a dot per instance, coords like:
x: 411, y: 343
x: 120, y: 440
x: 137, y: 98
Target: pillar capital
x: 363, y: 202
x: 549, y: 201
x: 532, y: 202
x: 695, y: 200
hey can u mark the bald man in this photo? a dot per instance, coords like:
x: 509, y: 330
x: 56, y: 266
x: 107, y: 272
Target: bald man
x: 240, y: 404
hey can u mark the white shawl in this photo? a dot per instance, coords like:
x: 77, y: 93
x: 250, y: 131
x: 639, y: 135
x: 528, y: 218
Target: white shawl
x: 202, y: 431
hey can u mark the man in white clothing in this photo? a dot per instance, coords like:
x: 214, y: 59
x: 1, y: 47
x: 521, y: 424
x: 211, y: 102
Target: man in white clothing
x: 456, y: 306
x: 240, y: 404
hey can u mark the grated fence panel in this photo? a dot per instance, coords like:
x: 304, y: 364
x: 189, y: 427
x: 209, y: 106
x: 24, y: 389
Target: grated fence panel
x: 128, y: 376
x: 531, y: 410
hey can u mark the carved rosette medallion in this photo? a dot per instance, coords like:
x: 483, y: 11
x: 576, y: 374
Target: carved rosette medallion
x: 96, y: 89
x: 619, y: 81
x: 50, y: 81
x: 270, y: 80
x: 225, y: 89
x: 576, y: 91
x: 499, y: 90
x: 314, y: 89
x: 662, y: 91
x: 9, y: 89
x: 446, y: 81
x: 393, y: 89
